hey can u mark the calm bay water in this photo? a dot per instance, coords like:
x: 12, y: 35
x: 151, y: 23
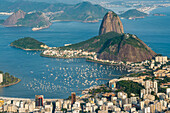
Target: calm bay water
x: 153, y: 30
x: 54, y: 78
x: 57, y: 78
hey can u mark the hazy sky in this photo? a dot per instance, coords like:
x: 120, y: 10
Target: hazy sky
x: 54, y: 1
x: 78, y: 1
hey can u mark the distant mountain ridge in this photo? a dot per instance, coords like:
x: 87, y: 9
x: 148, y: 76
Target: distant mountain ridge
x: 20, y: 18
x: 53, y: 1
x: 84, y: 11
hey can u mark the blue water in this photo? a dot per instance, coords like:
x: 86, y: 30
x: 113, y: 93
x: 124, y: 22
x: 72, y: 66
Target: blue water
x: 38, y: 74
x: 57, y: 78
x: 153, y: 30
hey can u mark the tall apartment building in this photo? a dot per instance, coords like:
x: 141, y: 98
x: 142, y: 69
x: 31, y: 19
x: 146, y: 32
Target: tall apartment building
x: 73, y: 98
x: 149, y: 87
x: 39, y: 100
x: 161, y: 59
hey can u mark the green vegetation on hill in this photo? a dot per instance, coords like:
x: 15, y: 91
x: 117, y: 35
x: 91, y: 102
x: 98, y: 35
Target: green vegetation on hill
x: 165, y: 80
x: 103, y: 89
x: 133, y: 13
x: 149, y: 73
x: 27, y: 43
x: 37, y: 19
x: 94, y: 44
x: 8, y: 79
x: 132, y: 40
x: 115, y: 46
x: 129, y: 87
x: 84, y: 11
x: 103, y: 42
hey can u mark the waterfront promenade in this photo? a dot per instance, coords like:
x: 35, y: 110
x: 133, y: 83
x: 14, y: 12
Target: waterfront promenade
x: 26, y: 99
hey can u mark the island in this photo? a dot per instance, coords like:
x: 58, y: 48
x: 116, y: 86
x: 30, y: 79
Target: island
x: 35, y: 20
x: 8, y: 80
x: 29, y: 43
x: 133, y: 14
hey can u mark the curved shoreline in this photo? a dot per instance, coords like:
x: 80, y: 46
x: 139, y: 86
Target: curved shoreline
x: 104, y: 63
x: 26, y: 49
x: 47, y: 56
x: 10, y: 84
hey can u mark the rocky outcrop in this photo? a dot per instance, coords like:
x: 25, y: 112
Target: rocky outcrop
x: 37, y: 19
x: 13, y: 19
x: 111, y: 22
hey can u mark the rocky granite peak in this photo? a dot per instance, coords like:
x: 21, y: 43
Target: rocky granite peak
x: 13, y: 19
x: 111, y: 22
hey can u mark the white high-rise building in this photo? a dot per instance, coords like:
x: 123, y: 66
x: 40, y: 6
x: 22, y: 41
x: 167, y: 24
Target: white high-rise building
x: 161, y: 59
x: 147, y: 110
x: 167, y: 91
x: 1, y: 77
x: 142, y: 104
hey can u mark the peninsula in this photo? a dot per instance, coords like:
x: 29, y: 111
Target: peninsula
x: 112, y: 45
x: 8, y: 80
x: 28, y: 43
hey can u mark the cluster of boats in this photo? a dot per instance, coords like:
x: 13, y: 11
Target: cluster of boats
x: 71, y: 77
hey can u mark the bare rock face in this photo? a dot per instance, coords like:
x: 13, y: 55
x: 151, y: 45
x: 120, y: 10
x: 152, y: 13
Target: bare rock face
x: 13, y: 19
x: 111, y: 22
